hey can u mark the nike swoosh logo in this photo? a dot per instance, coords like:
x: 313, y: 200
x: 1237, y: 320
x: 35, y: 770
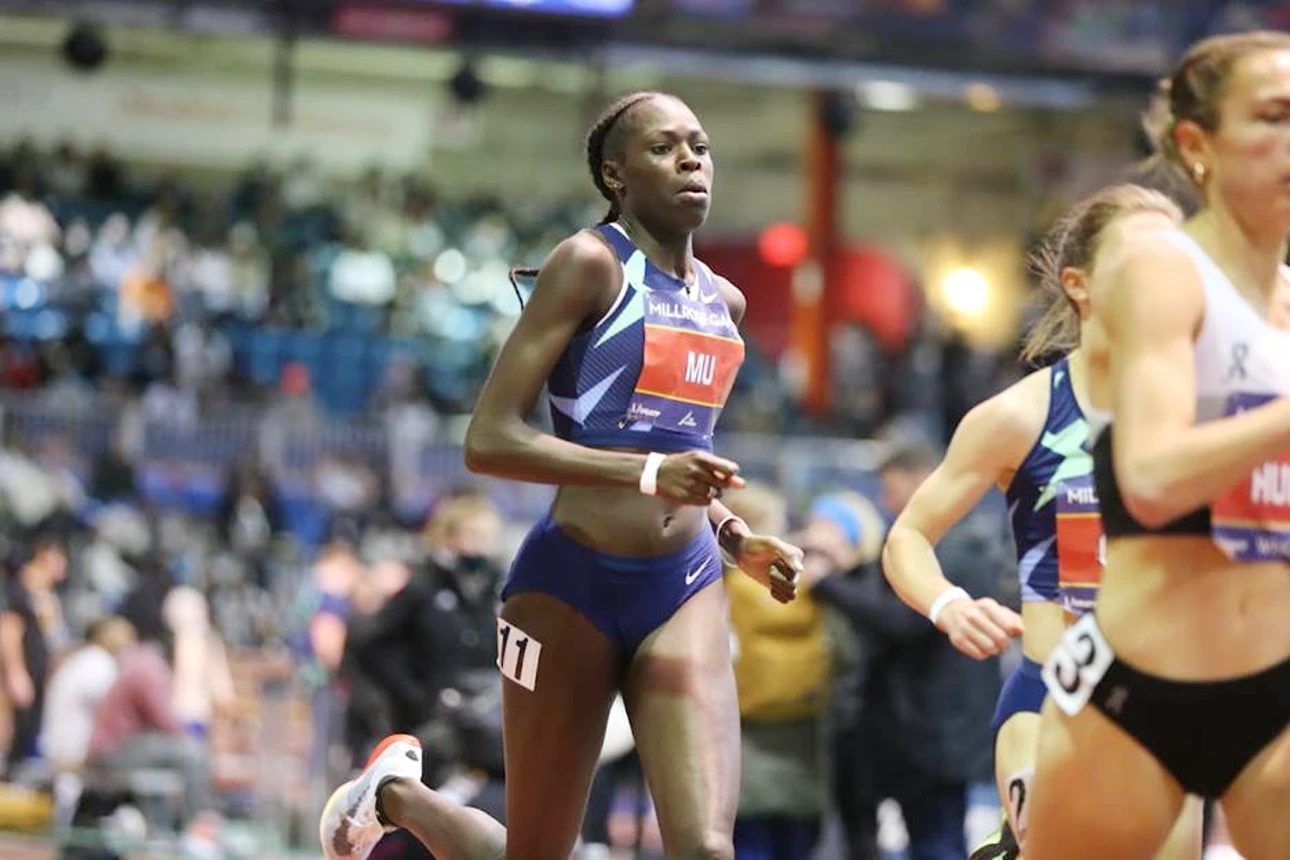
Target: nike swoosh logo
x: 709, y: 298
x: 694, y: 574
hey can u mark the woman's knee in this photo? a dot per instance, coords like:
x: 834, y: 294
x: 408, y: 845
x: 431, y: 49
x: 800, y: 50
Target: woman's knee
x: 1016, y: 749
x: 1016, y: 746
x: 710, y: 846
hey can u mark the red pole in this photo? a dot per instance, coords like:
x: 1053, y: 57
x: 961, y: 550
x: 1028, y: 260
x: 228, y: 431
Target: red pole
x: 815, y: 278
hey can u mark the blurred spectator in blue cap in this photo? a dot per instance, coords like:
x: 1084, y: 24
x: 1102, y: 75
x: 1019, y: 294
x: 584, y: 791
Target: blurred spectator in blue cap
x: 913, y: 720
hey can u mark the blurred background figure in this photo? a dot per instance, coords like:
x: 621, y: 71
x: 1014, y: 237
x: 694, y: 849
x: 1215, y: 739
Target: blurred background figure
x: 933, y: 705
x: 136, y: 727
x: 842, y: 537
x: 783, y: 672
x: 203, y: 684
x: 77, y: 688
x: 321, y: 613
x: 919, y: 731
x: 32, y: 631
x: 425, y: 655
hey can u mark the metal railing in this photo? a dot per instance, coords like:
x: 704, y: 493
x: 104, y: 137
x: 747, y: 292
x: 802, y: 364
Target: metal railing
x: 215, y: 443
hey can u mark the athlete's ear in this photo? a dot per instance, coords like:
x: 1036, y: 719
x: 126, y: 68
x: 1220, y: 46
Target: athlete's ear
x: 611, y: 172
x: 1075, y: 285
x: 1195, y: 148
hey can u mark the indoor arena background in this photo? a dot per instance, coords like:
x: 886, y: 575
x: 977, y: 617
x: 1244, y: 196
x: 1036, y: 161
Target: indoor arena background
x: 254, y: 267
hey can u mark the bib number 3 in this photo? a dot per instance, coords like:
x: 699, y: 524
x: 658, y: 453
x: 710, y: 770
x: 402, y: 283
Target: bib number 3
x: 517, y: 654
x: 1077, y: 664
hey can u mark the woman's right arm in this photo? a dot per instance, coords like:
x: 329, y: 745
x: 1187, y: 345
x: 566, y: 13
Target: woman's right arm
x: 1166, y: 464
x: 571, y: 288
x: 990, y: 443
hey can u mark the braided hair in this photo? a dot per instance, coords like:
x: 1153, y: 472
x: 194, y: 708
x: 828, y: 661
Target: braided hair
x: 604, y: 136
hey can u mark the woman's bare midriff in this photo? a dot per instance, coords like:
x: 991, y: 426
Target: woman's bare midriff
x: 624, y: 521
x: 1178, y: 608
x: 1045, y: 623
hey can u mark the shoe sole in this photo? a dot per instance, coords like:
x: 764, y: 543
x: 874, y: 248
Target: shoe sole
x: 324, y: 838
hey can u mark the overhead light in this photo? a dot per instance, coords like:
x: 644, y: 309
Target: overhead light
x: 982, y: 97
x: 887, y: 95
x: 966, y: 291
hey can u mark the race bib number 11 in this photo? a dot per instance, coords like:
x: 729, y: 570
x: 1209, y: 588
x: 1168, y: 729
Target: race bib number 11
x: 517, y: 654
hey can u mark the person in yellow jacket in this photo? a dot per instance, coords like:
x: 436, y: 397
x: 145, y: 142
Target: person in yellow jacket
x: 785, y: 655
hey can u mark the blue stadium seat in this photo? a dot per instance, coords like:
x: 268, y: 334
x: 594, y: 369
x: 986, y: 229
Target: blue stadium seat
x: 120, y: 356
x: 305, y: 517
x: 264, y: 360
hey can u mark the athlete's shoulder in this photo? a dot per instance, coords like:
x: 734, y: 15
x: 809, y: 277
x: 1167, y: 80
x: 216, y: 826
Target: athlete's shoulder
x: 736, y: 301
x: 582, y: 270
x: 1130, y: 240
x: 585, y: 252
x: 1151, y: 258
x: 1013, y: 419
x: 1024, y: 404
x: 1152, y: 273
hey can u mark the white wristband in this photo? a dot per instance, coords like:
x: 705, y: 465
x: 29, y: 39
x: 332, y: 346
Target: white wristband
x: 727, y: 521
x: 649, y: 475
x: 726, y: 556
x: 947, y: 597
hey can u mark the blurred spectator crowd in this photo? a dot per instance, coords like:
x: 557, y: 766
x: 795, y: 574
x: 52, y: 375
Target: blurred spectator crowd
x: 150, y: 279
x: 365, y: 292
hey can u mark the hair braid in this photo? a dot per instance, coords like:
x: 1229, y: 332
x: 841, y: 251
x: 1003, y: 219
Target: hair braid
x: 596, y: 137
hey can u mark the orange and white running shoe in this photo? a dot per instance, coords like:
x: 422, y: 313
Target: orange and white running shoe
x: 350, y: 827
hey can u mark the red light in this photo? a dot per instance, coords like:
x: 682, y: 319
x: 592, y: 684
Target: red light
x: 782, y: 245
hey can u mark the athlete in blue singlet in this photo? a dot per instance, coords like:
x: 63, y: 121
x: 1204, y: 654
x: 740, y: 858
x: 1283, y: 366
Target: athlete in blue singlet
x: 1031, y: 441
x: 619, y: 587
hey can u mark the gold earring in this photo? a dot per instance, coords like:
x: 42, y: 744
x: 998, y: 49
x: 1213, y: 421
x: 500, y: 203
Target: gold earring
x: 1198, y: 172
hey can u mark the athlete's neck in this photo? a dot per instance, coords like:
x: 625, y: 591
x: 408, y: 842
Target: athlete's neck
x: 673, y: 254
x: 1091, y: 384
x: 1249, y: 255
